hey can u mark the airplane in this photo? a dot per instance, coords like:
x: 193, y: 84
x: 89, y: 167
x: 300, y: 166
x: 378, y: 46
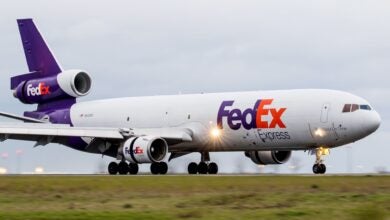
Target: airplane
x: 265, y: 125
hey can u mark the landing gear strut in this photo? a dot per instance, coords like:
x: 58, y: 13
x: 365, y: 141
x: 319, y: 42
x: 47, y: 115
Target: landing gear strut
x: 122, y: 168
x: 204, y: 167
x: 319, y: 167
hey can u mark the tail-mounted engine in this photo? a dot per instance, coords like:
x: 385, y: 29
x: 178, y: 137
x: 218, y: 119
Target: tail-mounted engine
x: 145, y: 149
x: 67, y: 84
x: 268, y: 157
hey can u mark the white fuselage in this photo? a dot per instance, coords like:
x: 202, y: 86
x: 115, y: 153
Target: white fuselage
x: 287, y: 119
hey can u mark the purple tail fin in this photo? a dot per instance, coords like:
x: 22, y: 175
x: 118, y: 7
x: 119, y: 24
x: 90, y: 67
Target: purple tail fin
x: 41, y: 86
x: 53, y: 89
x: 38, y: 55
x: 41, y: 62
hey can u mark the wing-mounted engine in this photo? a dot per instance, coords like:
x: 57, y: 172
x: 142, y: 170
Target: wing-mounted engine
x: 65, y: 85
x: 145, y: 149
x: 268, y: 157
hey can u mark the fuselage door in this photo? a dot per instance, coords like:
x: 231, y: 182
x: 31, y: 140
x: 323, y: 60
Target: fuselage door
x: 325, y: 112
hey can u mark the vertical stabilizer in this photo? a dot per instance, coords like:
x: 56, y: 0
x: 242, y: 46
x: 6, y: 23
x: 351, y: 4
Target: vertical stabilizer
x: 38, y: 55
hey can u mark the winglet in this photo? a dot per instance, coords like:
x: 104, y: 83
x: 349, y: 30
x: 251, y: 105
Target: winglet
x: 38, y: 55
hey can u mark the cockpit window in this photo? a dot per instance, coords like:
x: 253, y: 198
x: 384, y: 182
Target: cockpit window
x: 365, y: 107
x: 355, y: 107
x: 347, y: 108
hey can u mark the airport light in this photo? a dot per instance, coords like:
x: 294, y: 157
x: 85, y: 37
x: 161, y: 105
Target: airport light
x: 19, y: 154
x: 3, y: 171
x: 38, y: 170
x: 4, y: 155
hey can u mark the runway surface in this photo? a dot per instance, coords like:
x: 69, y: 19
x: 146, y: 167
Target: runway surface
x: 195, y: 197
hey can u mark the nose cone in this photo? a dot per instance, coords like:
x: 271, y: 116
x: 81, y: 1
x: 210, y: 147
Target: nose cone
x: 372, y: 122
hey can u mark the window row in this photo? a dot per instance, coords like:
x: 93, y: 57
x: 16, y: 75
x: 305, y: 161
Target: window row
x: 355, y: 107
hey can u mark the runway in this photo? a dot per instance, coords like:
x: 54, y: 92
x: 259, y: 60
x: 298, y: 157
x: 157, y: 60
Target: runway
x: 59, y: 196
x: 204, y: 175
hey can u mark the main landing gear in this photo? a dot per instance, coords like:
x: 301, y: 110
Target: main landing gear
x: 159, y: 168
x: 319, y: 167
x: 204, y: 167
x: 122, y: 168
x: 132, y: 168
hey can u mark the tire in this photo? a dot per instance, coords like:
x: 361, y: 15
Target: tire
x: 155, y: 168
x: 113, y: 168
x: 133, y: 168
x: 322, y: 168
x: 213, y: 168
x: 192, y: 168
x: 316, y: 169
x: 202, y: 168
x: 123, y: 168
x: 163, y: 168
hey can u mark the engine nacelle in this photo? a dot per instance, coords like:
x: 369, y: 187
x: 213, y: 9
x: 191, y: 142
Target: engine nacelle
x: 268, y: 157
x: 75, y: 83
x: 145, y: 149
x: 68, y: 84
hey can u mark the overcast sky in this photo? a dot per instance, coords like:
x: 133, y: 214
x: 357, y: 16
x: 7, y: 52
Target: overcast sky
x: 136, y: 48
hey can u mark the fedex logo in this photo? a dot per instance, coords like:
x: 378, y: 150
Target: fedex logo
x: 41, y: 89
x: 261, y: 116
x: 138, y: 150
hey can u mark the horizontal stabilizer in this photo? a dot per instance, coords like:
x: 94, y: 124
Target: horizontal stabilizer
x: 21, y: 118
x: 16, y: 80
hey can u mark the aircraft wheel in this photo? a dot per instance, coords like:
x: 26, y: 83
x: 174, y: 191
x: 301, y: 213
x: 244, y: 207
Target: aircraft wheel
x: 316, y: 169
x: 322, y: 168
x: 133, y: 168
x: 192, y: 168
x: 213, y: 168
x: 202, y: 168
x: 319, y: 168
x: 123, y: 168
x: 154, y: 168
x: 113, y: 168
x: 163, y: 168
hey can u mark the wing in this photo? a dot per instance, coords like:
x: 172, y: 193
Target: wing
x: 44, y: 133
x: 53, y: 133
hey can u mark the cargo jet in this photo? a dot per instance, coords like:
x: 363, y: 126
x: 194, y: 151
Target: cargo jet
x: 265, y: 125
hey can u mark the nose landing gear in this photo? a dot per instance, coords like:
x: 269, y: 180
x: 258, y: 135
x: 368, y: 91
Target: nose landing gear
x: 319, y: 167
